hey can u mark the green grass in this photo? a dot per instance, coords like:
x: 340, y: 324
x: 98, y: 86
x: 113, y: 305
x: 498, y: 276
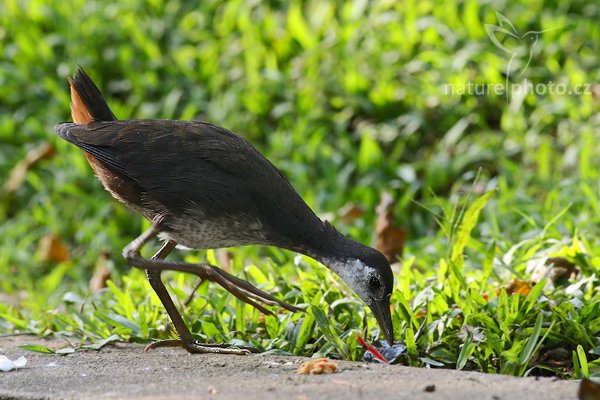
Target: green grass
x: 348, y: 101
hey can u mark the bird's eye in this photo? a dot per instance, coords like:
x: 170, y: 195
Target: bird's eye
x: 374, y: 283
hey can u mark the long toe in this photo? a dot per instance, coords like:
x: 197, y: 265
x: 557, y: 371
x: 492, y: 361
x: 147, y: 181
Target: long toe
x: 165, y: 343
x: 197, y: 348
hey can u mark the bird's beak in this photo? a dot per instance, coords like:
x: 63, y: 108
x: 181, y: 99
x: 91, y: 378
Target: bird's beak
x: 381, y: 310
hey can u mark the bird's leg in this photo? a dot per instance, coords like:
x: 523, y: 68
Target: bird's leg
x: 238, y: 287
x: 183, y: 332
x: 186, y: 340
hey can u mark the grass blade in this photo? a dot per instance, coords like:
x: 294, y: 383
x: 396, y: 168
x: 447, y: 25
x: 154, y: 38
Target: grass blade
x: 330, y: 335
x: 467, y: 224
x: 585, y: 371
x: 465, y: 352
x: 531, y: 343
x: 36, y: 348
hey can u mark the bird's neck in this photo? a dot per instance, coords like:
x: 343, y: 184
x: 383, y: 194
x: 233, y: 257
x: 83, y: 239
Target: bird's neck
x: 341, y: 255
x: 332, y: 249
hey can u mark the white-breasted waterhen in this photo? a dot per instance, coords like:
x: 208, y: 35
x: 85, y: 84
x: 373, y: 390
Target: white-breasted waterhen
x: 205, y: 187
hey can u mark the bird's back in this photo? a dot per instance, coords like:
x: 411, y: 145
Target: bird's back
x: 206, y: 186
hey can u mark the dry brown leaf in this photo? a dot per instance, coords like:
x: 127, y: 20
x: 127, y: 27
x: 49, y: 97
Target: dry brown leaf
x: 17, y: 175
x: 515, y: 287
x: 596, y: 91
x: 349, y: 213
x: 101, y: 272
x: 225, y: 258
x: 558, y: 269
x: 317, y: 367
x: 519, y: 287
x: 563, y: 269
x: 589, y: 390
x: 389, y: 239
x: 52, y: 249
x: 558, y: 358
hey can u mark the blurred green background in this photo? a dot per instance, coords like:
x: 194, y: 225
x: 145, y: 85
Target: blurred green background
x: 349, y: 99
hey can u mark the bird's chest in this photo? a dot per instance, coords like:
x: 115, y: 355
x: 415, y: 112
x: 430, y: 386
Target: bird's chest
x: 202, y: 232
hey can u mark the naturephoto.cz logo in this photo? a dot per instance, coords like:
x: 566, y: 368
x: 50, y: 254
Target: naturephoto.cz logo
x: 520, y: 47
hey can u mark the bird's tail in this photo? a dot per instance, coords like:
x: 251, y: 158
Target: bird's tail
x: 87, y: 103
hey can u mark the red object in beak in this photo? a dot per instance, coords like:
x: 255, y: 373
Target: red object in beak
x: 372, y: 349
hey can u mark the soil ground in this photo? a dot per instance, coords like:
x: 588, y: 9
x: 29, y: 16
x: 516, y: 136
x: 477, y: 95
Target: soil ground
x: 124, y: 371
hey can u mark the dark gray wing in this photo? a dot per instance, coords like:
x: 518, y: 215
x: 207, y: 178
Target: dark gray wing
x: 189, y: 164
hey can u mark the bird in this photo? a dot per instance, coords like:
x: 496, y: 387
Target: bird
x: 202, y: 186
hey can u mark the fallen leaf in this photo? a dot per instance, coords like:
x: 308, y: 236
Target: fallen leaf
x: 17, y: 175
x: 389, y: 239
x: 596, y: 91
x: 558, y: 357
x: 515, y: 286
x: 421, y: 312
x: 64, y: 351
x: 589, y: 390
x: 101, y: 272
x: 559, y: 270
x: 225, y: 258
x: 562, y: 270
x: 349, y: 213
x: 519, y: 287
x: 476, y: 334
x: 317, y: 367
x: 52, y: 249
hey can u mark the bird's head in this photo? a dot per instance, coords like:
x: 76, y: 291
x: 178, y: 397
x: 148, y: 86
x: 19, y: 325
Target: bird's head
x: 370, y: 276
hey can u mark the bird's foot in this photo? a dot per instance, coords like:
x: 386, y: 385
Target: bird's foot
x: 197, y: 348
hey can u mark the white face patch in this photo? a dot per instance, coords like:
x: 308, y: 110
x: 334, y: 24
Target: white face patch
x: 355, y: 273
